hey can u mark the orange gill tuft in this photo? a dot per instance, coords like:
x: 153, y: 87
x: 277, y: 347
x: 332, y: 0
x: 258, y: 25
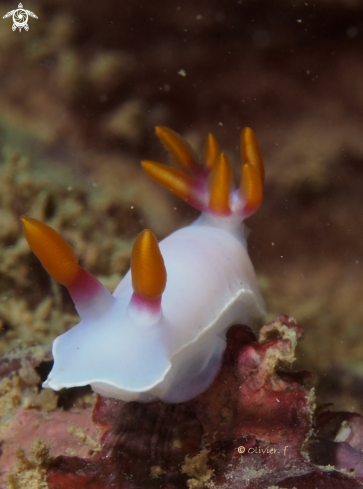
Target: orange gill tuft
x: 250, y: 151
x: 179, y: 149
x: 175, y: 180
x: 251, y: 188
x: 220, y: 183
x: 211, y: 151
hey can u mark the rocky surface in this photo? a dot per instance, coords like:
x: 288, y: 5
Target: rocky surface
x: 256, y: 426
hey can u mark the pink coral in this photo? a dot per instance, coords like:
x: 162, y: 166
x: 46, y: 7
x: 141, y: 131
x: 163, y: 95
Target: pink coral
x: 253, y: 428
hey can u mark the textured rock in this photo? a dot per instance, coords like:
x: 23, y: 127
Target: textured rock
x: 253, y: 428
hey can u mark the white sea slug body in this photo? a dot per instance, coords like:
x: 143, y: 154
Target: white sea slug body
x: 161, y: 335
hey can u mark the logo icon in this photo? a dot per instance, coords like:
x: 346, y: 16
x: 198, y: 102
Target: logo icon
x: 20, y: 17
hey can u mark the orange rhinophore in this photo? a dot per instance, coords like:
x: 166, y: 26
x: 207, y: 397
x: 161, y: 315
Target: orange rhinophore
x: 59, y: 260
x: 55, y: 254
x: 147, y: 267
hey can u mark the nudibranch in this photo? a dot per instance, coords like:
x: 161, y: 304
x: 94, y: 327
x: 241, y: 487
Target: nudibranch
x: 161, y: 334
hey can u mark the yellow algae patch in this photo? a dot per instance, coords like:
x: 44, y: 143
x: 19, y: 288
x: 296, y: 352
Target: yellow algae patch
x: 197, y: 468
x: 30, y: 473
x: 82, y: 436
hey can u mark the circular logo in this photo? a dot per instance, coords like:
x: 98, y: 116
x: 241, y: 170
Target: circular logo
x: 20, y: 18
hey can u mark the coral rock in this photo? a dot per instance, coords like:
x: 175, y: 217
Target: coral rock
x: 253, y: 428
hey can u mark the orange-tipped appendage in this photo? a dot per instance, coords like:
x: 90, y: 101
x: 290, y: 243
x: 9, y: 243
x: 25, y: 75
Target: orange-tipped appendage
x: 55, y: 254
x: 180, y: 150
x: 220, y: 186
x: 147, y: 267
x: 250, y: 151
x: 211, y: 151
x: 251, y: 187
x: 171, y: 178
